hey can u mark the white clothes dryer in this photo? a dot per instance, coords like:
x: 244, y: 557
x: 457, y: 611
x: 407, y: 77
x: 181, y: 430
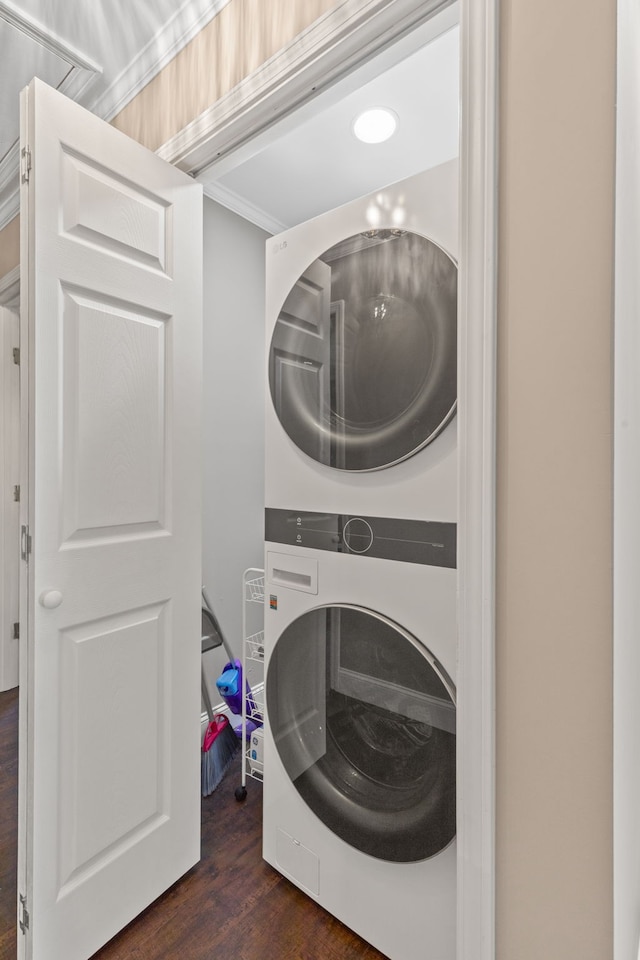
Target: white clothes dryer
x: 361, y: 308
x: 360, y: 769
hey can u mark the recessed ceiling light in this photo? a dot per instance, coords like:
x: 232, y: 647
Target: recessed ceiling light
x: 375, y: 126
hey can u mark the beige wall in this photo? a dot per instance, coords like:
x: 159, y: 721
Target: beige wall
x: 10, y: 246
x: 554, y: 640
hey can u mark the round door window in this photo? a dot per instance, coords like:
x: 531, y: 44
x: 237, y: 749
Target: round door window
x: 363, y: 718
x: 362, y: 365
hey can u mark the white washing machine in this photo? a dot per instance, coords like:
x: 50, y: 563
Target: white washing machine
x: 361, y: 307
x: 360, y: 769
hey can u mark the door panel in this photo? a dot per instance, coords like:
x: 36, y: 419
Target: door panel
x: 114, y: 456
x: 112, y: 788
x: 102, y: 208
x: 110, y: 785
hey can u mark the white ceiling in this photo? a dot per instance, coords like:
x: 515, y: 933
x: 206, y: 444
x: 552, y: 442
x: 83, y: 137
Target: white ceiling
x: 312, y: 162
x: 22, y: 58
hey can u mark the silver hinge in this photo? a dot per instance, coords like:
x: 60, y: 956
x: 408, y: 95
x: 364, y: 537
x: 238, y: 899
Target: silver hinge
x: 25, y: 164
x: 16, y: 355
x: 23, y: 914
x: 16, y: 492
x: 16, y: 631
x: 25, y: 542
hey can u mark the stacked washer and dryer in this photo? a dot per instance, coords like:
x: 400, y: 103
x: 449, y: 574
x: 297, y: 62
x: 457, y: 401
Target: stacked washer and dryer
x: 360, y: 618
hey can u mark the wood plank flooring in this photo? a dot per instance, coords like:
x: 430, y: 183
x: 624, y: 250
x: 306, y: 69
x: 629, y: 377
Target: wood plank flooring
x: 231, y: 906
x: 8, y: 822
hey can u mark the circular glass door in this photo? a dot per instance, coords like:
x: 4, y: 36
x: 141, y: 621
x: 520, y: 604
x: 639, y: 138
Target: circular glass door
x: 362, y: 365
x: 363, y: 718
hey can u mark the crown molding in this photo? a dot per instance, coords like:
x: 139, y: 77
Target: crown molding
x: 10, y: 205
x: 46, y: 38
x: 10, y: 185
x: 10, y: 288
x: 237, y: 204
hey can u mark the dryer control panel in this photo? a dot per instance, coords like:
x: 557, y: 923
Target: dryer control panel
x: 388, y: 538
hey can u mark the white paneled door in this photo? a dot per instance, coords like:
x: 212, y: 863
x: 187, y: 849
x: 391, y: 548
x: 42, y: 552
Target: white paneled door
x: 111, y: 531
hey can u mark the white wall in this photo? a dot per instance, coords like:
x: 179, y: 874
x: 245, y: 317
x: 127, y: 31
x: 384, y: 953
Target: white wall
x: 233, y: 420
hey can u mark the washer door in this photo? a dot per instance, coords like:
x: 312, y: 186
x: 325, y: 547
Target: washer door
x: 362, y: 365
x: 363, y: 718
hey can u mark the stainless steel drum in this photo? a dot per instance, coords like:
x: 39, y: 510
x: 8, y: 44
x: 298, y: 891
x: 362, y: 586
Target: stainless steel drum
x: 362, y: 366
x: 364, y: 721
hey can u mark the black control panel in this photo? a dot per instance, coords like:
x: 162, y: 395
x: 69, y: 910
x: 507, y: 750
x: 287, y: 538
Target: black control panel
x: 388, y: 538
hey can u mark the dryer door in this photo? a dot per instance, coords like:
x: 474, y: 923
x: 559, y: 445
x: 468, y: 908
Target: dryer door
x: 385, y: 717
x: 362, y: 363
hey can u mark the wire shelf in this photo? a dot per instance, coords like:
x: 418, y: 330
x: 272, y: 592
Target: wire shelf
x: 255, y: 646
x: 254, y: 590
x: 254, y: 755
x: 256, y: 767
x: 253, y: 705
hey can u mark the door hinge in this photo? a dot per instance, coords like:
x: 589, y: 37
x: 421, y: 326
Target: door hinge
x: 23, y: 914
x: 25, y: 542
x: 16, y: 356
x: 16, y: 492
x: 16, y: 631
x: 25, y: 164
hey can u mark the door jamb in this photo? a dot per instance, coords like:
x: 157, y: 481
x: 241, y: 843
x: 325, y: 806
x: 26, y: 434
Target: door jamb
x: 626, y: 505
x: 9, y: 475
x: 342, y: 39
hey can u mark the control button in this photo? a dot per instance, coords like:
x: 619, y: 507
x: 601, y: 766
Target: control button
x: 358, y: 535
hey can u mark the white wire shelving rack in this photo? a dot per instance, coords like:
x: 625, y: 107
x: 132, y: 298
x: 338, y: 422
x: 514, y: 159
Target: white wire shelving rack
x: 252, y: 671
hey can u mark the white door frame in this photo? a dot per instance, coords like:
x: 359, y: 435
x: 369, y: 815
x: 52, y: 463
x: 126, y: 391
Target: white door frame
x: 338, y: 42
x: 9, y: 480
x: 626, y: 520
x: 341, y: 40
x: 9, y: 476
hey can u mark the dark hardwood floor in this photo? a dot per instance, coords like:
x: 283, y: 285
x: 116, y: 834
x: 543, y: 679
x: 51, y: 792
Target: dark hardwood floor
x: 8, y: 822
x: 231, y: 906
